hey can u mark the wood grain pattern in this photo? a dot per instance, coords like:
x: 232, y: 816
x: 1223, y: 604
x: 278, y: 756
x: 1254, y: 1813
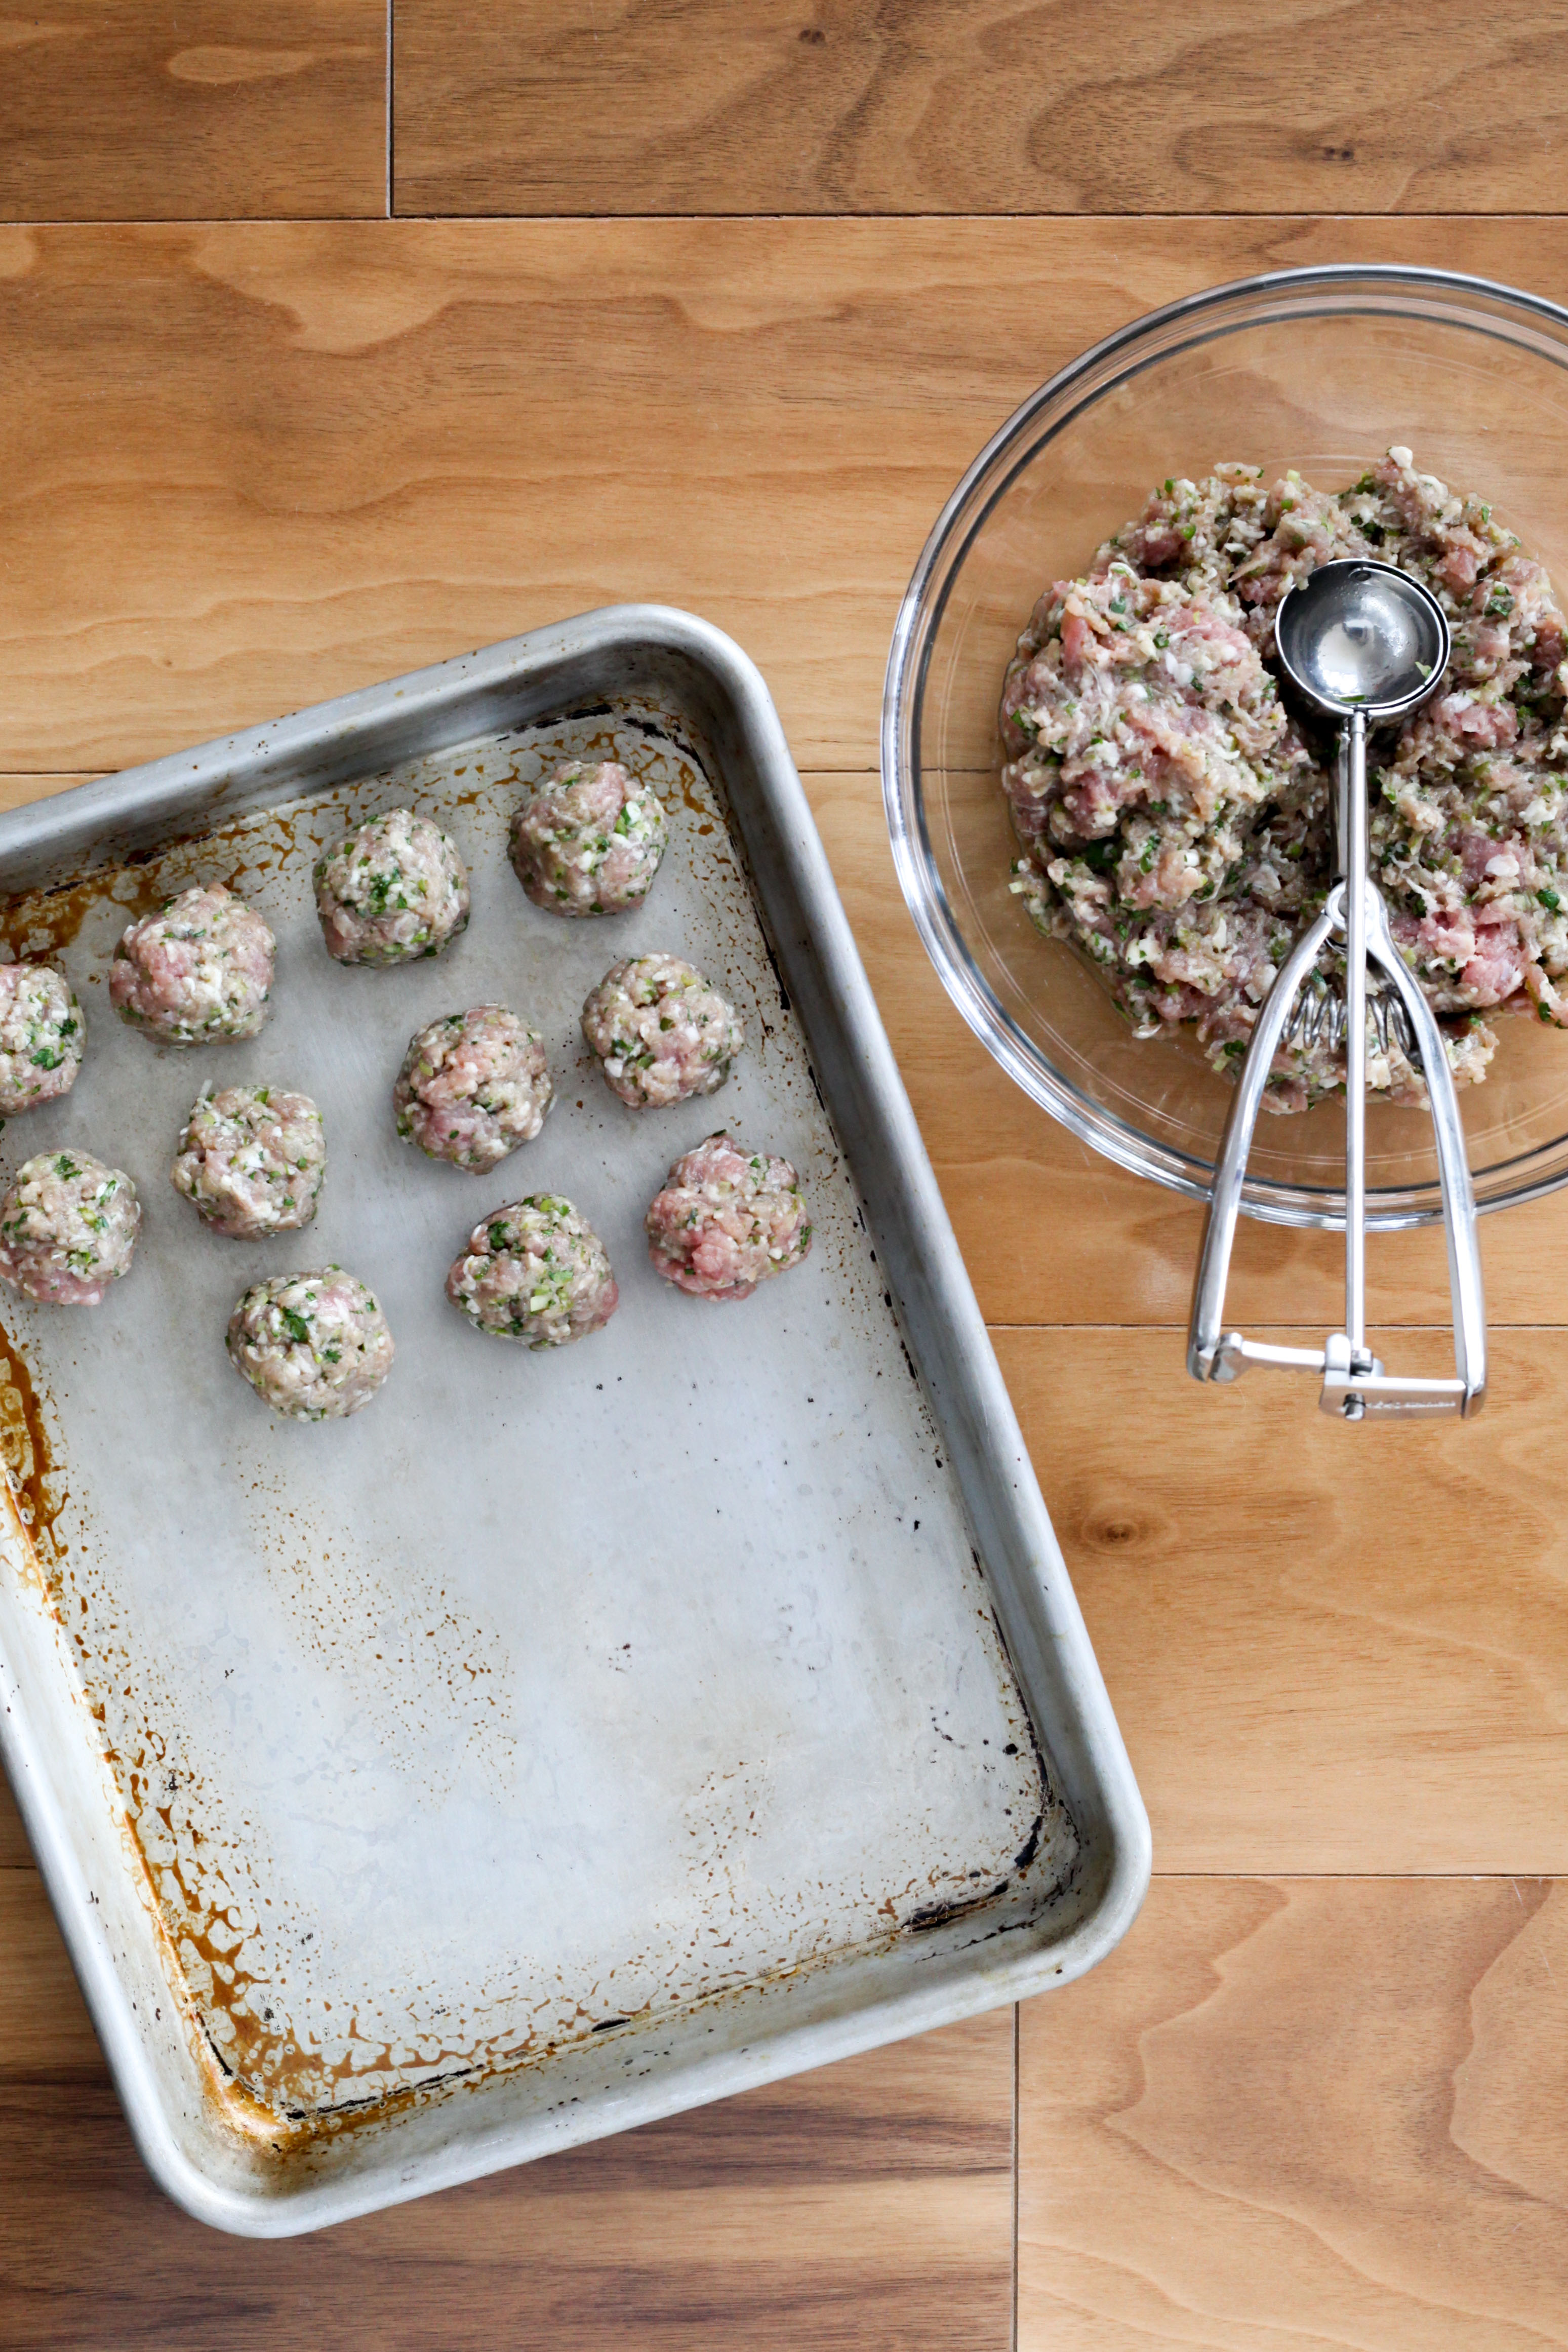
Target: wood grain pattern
x: 308, y: 455
x: 1001, y: 106
x: 867, y: 2205
x: 16, y: 1853
x: 192, y: 109
x: 1328, y: 1649
x: 45, y: 2033
x: 1314, y: 2112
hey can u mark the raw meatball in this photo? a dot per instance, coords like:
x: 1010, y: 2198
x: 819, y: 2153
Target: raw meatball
x: 589, y: 842
x: 313, y: 1345
x: 251, y: 1161
x: 473, y: 1087
x: 67, y: 1228
x: 396, y: 889
x: 536, y: 1273
x: 200, y: 970
x: 660, y: 1032
x: 725, y: 1220
x: 42, y: 1033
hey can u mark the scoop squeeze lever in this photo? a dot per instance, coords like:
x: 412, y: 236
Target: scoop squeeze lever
x: 1365, y: 643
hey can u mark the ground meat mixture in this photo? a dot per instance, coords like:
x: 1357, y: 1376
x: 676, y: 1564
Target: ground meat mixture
x: 313, y: 1345
x: 660, y: 1032
x: 536, y: 1273
x: 251, y: 1161
x: 1175, y: 818
x: 589, y: 841
x: 725, y: 1220
x: 395, y: 890
x: 67, y: 1228
x: 473, y: 1087
x: 42, y: 1037
x: 199, y: 971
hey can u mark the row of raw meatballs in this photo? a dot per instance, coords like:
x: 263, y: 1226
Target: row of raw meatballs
x: 316, y: 1346
x: 200, y: 970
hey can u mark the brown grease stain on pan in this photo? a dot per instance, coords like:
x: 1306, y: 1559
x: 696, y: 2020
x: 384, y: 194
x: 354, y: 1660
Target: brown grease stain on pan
x: 36, y: 1495
x: 33, y: 1497
x: 40, y: 924
x: 43, y: 923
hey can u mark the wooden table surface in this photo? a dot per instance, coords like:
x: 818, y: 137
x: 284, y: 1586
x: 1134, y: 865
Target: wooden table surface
x: 320, y: 362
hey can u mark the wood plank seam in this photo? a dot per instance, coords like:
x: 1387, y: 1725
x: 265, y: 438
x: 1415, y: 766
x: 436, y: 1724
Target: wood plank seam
x: 498, y: 220
x: 831, y: 220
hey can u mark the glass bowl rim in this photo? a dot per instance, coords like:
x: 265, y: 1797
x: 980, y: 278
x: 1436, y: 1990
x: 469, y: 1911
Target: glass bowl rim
x: 925, y: 892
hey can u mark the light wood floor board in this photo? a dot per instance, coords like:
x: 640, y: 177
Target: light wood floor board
x: 46, y: 2033
x: 1007, y: 106
x: 192, y: 109
x: 14, y: 1852
x: 1325, y: 2114
x: 1328, y: 1649
x: 866, y: 2206
x: 308, y: 455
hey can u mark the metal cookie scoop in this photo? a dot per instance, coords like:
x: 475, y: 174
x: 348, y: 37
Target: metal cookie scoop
x: 1366, y: 644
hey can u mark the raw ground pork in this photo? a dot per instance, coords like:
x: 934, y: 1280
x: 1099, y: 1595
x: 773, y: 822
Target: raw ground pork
x: 725, y: 1220
x: 42, y: 1037
x: 198, y: 971
x: 473, y: 1087
x: 395, y: 890
x: 314, y: 1347
x: 589, y: 841
x: 535, y: 1272
x: 660, y: 1032
x: 251, y: 1161
x: 67, y: 1228
x: 1174, y: 819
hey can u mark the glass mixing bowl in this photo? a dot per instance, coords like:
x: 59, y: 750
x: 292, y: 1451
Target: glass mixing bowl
x: 1319, y: 369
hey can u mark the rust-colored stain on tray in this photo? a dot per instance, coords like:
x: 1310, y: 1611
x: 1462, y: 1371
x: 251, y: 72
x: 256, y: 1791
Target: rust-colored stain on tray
x: 36, y: 1492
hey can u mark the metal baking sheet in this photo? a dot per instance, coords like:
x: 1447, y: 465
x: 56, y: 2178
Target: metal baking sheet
x: 567, y: 1738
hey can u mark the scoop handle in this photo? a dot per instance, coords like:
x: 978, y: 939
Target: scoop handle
x: 1204, y: 1358
x: 1467, y: 1296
